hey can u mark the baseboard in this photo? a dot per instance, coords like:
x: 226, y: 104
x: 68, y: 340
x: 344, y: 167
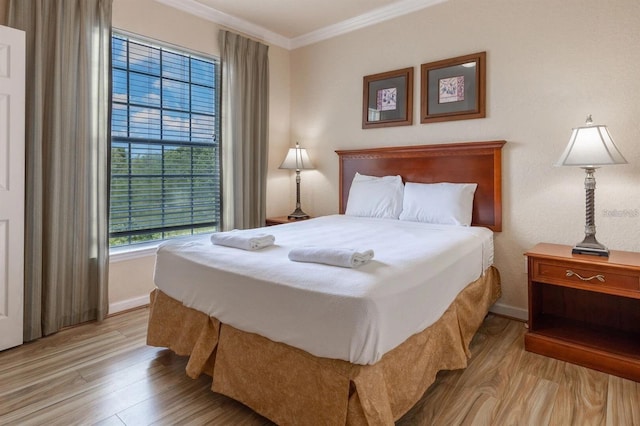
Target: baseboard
x: 510, y: 311
x: 125, y: 305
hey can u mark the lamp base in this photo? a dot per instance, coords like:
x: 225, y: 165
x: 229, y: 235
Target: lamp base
x: 590, y: 246
x: 298, y: 214
x: 594, y: 252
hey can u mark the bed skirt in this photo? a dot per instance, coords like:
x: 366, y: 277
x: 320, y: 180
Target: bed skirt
x: 292, y: 387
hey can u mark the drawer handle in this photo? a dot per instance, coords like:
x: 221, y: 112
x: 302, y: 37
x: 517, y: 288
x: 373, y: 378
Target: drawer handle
x: 599, y: 277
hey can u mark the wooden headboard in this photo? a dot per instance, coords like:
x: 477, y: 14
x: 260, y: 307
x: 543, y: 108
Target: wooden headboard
x: 469, y: 162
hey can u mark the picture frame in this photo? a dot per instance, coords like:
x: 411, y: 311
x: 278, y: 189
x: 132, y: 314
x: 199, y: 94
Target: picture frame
x: 453, y: 89
x: 387, y: 99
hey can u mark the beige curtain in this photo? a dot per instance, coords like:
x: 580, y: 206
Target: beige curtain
x: 245, y: 115
x: 67, y: 147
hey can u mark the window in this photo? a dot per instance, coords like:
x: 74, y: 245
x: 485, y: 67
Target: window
x: 165, y: 169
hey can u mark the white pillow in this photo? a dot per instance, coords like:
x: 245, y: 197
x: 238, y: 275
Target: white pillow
x: 442, y: 203
x: 373, y: 196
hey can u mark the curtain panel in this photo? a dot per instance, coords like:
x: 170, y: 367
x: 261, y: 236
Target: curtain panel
x: 245, y: 115
x: 67, y: 168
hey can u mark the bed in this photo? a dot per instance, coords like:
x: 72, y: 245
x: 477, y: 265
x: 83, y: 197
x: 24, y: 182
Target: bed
x: 365, y: 353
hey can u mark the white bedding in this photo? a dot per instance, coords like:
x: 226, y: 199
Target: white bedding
x: 356, y: 314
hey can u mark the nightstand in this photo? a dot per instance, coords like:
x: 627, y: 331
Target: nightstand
x: 585, y: 309
x: 279, y: 220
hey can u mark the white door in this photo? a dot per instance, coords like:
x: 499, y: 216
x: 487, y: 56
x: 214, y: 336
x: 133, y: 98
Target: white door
x: 12, y: 78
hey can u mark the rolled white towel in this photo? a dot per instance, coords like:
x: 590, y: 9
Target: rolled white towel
x: 344, y: 257
x: 242, y: 240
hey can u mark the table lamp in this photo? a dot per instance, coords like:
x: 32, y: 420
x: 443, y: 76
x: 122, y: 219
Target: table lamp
x: 590, y: 147
x: 298, y: 159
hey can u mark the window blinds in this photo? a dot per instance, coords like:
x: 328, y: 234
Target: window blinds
x: 165, y: 173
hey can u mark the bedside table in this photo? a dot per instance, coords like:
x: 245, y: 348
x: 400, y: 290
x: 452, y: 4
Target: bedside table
x: 279, y: 220
x: 585, y: 309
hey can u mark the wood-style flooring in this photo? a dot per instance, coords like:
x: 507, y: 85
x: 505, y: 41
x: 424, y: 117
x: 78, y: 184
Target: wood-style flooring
x: 105, y: 374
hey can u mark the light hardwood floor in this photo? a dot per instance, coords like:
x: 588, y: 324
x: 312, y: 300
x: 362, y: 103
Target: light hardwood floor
x: 105, y: 374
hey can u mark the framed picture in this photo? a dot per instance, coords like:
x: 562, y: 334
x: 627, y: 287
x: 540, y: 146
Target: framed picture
x: 453, y: 89
x: 387, y: 99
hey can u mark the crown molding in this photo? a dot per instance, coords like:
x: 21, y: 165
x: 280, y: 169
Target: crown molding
x: 376, y: 16
x: 196, y: 8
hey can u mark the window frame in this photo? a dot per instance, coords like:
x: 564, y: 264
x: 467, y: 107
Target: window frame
x: 194, y: 227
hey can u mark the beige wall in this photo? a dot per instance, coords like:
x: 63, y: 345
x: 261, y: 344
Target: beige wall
x: 131, y: 280
x: 550, y: 63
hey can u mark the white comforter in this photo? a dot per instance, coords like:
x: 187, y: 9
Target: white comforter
x: 356, y: 314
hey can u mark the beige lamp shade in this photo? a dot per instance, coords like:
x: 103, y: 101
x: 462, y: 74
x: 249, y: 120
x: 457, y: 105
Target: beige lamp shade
x: 297, y: 159
x: 591, y: 146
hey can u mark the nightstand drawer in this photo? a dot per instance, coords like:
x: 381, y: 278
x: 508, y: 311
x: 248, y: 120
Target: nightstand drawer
x: 573, y: 273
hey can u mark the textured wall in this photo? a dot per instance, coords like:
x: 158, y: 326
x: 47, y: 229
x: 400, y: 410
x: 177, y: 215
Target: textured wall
x: 549, y: 64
